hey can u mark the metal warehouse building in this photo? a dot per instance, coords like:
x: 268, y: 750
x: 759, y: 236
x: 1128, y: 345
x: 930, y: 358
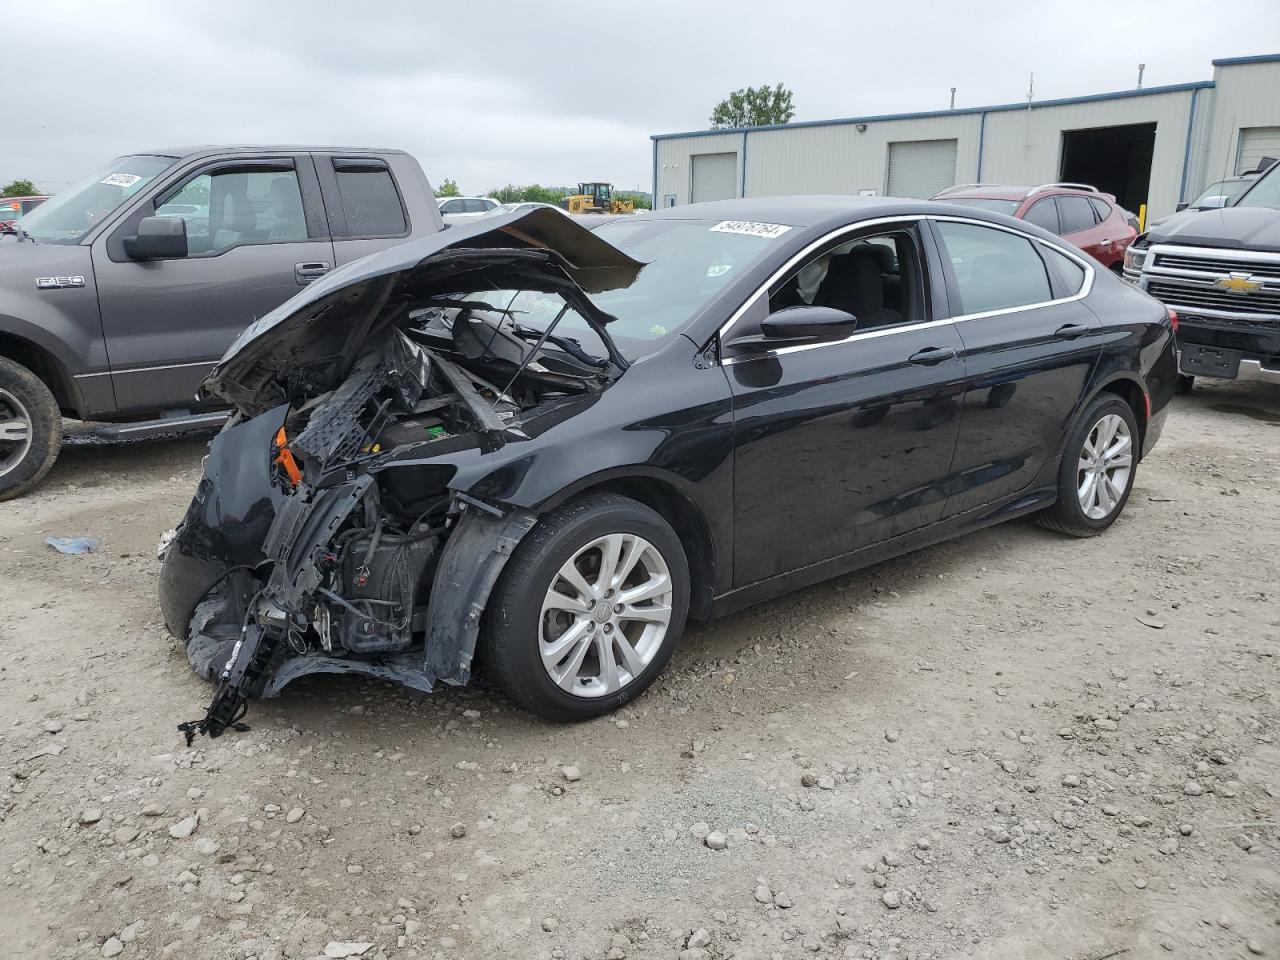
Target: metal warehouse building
x: 1155, y: 145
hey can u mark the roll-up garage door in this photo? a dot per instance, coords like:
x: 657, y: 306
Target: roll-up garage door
x: 715, y: 176
x: 1256, y: 143
x: 921, y: 168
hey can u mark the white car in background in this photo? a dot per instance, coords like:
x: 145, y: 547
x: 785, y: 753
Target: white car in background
x: 462, y: 209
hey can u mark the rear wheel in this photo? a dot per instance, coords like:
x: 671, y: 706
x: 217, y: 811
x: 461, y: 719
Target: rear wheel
x: 30, y: 429
x: 589, y: 609
x: 1185, y: 383
x: 1097, y: 469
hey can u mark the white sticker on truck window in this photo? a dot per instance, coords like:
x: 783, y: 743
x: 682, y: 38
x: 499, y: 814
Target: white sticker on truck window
x: 767, y: 230
x: 121, y: 179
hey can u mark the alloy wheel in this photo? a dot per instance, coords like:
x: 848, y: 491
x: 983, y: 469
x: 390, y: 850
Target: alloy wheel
x: 15, y: 432
x: 605, y: 615
x: 1106, y: 461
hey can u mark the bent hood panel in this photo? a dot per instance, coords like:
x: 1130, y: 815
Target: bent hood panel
x: 357, y: 291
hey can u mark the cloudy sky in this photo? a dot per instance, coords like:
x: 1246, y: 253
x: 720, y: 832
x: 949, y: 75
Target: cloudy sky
x: 491, y: 92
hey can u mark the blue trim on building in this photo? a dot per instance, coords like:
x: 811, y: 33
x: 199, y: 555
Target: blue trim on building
x: 1186, y: 153
x: 1236, y: 61
x: 655, y: 203
x: 742, y: 163
x: 962, y: 111
x: 982, y: 135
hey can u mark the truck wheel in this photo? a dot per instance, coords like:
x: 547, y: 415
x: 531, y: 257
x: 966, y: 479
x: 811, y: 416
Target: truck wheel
x: 30, y: 429
x: 1185, y: 383
x: 588, y: 610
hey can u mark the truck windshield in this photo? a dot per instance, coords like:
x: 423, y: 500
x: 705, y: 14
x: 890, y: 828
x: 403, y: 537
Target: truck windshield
x: 1265, y: 191
x: 67, y: 217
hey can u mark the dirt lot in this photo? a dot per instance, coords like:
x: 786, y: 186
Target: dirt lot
x: 1011, y: 746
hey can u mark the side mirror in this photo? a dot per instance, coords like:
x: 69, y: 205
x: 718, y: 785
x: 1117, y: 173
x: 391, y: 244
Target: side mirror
x: 1212, y: 203
x: 158, y: 238
x: 800, y: 325
x: 1181, y: 206
x: 820, y: 324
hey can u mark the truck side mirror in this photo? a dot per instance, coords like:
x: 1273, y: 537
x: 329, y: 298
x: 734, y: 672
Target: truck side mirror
x: 1212, y: 203
x: 158, y: 238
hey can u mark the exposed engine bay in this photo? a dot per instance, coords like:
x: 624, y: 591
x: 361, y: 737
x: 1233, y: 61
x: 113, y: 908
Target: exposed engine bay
x: 326, y: 514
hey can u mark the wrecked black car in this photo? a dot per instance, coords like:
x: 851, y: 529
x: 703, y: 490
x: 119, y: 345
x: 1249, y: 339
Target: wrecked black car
x: 547, y: 447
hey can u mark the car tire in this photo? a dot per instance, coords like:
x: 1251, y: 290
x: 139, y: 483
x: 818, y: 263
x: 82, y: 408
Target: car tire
x: 553, y: 661
x: 1186, y: 384
x: 1084, y: 508
x: 29, y: 414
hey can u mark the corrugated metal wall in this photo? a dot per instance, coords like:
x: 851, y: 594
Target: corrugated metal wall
x: 1245, y: 95
x: 674, y: 173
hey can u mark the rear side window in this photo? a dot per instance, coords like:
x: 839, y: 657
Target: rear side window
x: 1043, y: 214
x: 475, y: 206
x: 1075, y: 213
x: 994, y: 269
x: 1101, y: 208
x: 451, y: 206
x: 1069, y: 272
x: 369, y: 200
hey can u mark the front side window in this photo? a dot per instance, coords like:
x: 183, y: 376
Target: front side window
x: 1075, y: 214
x: 875, y: 278
x: 1043, y: 213
x: 69, y: 216
x: 238, y: 207
x: 994, y: 269
x: 370, y: 201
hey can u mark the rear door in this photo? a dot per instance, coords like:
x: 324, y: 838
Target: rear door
x: 256, y: 235
x: 364, y: 204
x: 1079, y: 226
x: 842, y: 445
x: 1030, y: 345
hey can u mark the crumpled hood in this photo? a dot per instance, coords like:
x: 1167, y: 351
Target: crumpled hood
x: 331, y: 318
x: 1240, y: 228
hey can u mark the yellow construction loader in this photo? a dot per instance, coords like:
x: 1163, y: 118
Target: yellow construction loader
x: 597, y: 198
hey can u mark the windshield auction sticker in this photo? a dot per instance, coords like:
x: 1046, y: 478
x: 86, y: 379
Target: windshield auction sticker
x: 121, y: 179
x: 769, y: 231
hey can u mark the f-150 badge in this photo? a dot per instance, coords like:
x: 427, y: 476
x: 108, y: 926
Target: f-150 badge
x: 56, y: 283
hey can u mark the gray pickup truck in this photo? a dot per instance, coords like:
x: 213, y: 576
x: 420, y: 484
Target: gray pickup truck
x: 119, y: 294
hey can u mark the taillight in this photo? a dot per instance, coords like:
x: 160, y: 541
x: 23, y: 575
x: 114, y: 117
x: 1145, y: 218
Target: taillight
x: 1173, y: 319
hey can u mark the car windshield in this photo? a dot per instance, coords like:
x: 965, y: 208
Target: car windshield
x: 986, y: 203
x: 1263, y: 192
x: 688, y: 262
x: 10, y: 210
x: 1231, y: 189
x: 70, y: 215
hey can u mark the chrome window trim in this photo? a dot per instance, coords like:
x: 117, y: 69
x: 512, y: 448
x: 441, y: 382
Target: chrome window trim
x: 1085, y: 287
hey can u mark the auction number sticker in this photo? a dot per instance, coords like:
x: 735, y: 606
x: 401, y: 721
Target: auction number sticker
x: 121, y: 179
x: 769, y: 231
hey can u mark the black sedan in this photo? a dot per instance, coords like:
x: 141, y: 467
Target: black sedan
x: 550, y: 447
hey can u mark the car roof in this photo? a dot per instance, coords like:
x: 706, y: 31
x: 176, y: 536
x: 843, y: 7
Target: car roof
x: 205, y: 149
x: 996, y: 191
x: 796, y: 211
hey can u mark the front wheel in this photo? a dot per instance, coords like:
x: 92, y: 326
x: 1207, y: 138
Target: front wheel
x: 30, y: 429
x: 1097, y: 469
x: 588, y: 610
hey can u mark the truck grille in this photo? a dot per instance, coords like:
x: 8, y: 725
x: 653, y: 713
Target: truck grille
x: 1211, y: 298
x: 1219, y: 266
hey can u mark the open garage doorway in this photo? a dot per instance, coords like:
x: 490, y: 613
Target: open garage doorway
x: 1114, y: 159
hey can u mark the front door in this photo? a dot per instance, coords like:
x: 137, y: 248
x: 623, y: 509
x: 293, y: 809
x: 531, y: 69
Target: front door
x: 1030, y: 346
x: 842, y: 445
x: 253, y: 242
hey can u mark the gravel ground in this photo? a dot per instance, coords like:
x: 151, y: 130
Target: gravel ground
x: 1010, y: 746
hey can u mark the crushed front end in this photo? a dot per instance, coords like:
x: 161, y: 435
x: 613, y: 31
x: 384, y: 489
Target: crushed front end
x: 328, y: 533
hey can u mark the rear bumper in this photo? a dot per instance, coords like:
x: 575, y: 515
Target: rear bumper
x: 1249, y: 371
x: 1255, y: 344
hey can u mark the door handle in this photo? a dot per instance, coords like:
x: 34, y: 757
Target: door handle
x: 1071, y: 330
x: 304, y: 273
x: 931, y: 355
x: 1105, y: 243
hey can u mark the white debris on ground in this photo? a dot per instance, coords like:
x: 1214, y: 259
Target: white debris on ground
x: 982, y: 750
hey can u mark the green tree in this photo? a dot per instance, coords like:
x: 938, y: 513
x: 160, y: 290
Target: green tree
x: 20, y: 188
x: 641, y: 200
x: 449, y: 188
x: 533, y: 193
x: 754, y: 107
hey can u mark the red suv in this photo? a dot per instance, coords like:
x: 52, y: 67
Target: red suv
x: 1077, y: 212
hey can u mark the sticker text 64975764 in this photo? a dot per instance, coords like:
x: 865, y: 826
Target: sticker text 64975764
x: 767, y: 230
